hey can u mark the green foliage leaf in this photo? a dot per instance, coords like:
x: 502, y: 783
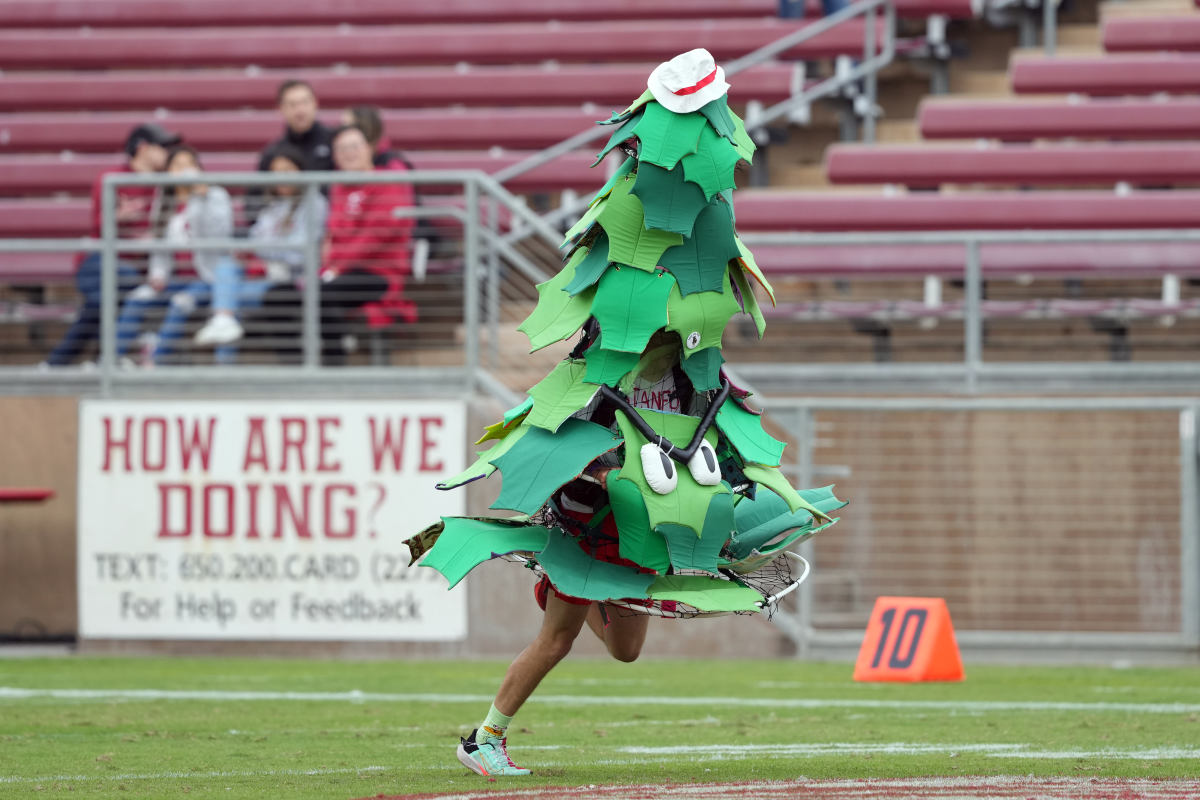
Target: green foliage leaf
x: 541, y: 462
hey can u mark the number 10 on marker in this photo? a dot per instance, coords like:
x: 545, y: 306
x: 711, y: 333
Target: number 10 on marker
x: 909, y: 639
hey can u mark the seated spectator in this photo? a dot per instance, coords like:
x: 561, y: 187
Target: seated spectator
x: 302, y: 129
x: 368, y: 120
x: 137, y: 207
x: 290, y: 215
x: 199, y: 212
x: 365, y: 254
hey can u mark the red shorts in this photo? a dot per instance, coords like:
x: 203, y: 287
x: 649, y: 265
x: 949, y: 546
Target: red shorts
x: 608, y: 549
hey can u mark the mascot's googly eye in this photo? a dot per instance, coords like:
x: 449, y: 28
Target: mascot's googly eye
x: 659, y: 469
x: 693, y: 340
x: 703, y: 465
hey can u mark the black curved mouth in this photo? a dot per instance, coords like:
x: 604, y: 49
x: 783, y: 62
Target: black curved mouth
x: 677, y: 453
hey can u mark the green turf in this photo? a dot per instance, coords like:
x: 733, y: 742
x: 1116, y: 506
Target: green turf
x: 243, y: 748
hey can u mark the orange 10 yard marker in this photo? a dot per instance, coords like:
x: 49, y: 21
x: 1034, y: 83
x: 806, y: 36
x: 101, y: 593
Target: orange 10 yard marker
x: 909, y: 639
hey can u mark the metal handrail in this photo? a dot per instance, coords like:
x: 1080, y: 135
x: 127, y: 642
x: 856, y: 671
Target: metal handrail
x: 862, y: 7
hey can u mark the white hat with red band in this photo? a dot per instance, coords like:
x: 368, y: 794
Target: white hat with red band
x: 688, y: 81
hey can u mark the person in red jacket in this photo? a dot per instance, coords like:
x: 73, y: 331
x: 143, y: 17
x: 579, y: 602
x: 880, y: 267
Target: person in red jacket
x: 365, y: 256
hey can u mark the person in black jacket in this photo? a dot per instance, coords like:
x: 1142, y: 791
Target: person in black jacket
x: 298, y: 105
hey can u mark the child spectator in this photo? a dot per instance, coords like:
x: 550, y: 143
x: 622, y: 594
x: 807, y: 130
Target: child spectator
x: 200, y: 212
x: 137, y: 206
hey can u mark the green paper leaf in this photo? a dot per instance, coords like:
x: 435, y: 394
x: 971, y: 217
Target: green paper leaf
x: 665, y: 137
x: 607, y: 366
x: 761, y: 519
x: 706, y: 594
x: 638, y: 542
x: 559, y: 395
x: 745, y: 432
x: 700, y: 262
x: 626, y: 167
x: 711, y: 167
x: 644, y: 98
x: 691, y: 552
x: 574, y: 572
x: 557, y: 314
x: 774, y: 480
x: 622, y: 133
x: 541, y: 462
x: 517, y: 411
x: 688, y: 504
x: 800, y: 535
x: 629, y: 242
x: 703, y: 313
x: 749, y: 301
x: 822, y: 498
x: 741, y: 140
x: 466, y: 542
x: 590, y: 267
x: 719, y: 117
x: 669, y: 202
x: 703, y: 368
x: 483, y: 466
x: 751, y: 266
x: 630, y: 305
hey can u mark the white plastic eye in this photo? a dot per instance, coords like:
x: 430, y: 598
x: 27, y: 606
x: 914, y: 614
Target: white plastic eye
x: 693, y: 340
x: 703, y: 465
x: 659, y: 469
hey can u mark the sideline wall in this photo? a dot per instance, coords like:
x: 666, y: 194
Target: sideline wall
x: 38, y: 568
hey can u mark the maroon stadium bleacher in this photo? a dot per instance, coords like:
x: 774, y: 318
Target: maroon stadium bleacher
x: 924, y: 166
x: 1007, y: 260
x: 75, y: 174
x: 1152, y: 34
x: 1024, y: 120
x: 1108, y: 75
x: 408, y: 129
x: 772, y: 210
x: 642, y: 41
x: 209, y: 89
x: 186, y: 13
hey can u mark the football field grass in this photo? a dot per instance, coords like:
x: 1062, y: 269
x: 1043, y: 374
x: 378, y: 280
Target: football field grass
x: 155, y: 728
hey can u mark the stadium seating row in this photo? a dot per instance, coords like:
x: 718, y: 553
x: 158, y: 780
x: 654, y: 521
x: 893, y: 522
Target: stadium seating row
x: 476, y: 128
x: 1025, y: 120
x: 929, y: 166
x: 788, y: 210
x: 51, y: 174
x: 504, y: 43
x: 1180, y: 34
x: 408, y: 129
x: 892, y: 311
x: 232, y: 13
x: 1121, y: 74
x: 413, y: 87
x: 1010, y: 260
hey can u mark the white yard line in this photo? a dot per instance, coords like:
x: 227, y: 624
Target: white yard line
x: 912, y: 748
x: 354, y: 696
x: 160, y: 776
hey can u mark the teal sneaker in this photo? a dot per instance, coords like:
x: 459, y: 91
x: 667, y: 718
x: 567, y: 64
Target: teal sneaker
x: 489, y: 757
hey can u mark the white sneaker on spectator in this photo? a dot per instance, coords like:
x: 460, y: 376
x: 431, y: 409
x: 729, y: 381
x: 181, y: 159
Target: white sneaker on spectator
x: 220, y: 329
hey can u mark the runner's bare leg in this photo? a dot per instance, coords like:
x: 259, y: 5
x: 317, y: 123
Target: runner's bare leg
x: 560, y: 626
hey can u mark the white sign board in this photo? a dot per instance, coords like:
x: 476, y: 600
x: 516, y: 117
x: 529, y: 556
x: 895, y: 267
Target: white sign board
x: 265, y: 520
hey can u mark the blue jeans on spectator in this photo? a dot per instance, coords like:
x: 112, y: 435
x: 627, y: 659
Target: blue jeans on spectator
x: 227, y: 292
x: 86, y: 327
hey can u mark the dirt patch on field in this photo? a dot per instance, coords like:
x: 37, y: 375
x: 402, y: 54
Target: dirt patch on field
x: 939, y: 788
